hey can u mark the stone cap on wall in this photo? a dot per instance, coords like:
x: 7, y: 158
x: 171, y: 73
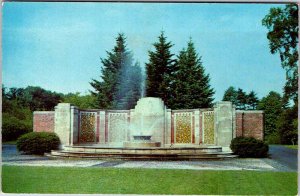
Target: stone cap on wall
x: 250, y: 111
x: 42, y: 112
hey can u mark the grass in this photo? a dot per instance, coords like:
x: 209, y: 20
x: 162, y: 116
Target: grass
x: 17, y: 179
x: 10, y: 142
x: 292, y: 146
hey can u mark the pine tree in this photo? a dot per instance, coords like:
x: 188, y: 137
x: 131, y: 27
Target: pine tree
x: 230, y: 95
x: 191, y: 88
x: 113, y: 90
x: 159, y: 70
x: 137, y: 79
x: 252, y: 100
x: 131, y: 87
x: 241, y: 99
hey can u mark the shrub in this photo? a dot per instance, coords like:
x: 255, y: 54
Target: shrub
x: 13, y: 127
x: 249, y: 147
x: 38, y: 142
x: 273, y: 138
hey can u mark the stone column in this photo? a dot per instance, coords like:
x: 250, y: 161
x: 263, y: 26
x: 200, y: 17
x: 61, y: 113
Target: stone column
x: 63, y: 123
x: 102, y: 127
x: 224, y: 123
x: 168, y: 127
x: 74, y: 125
x: 197, y: 126
x: 233, y: 121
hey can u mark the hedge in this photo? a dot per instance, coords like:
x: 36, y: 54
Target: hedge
x: 38, y: 142
x: 249, y: 147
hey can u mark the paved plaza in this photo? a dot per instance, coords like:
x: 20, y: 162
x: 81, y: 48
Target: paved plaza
x: 10, y: 156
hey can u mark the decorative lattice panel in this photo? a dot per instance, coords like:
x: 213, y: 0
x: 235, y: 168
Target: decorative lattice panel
x: 117, y: 127
x: 87, y: 127
x: 183, y: 127
x: 208, y: 128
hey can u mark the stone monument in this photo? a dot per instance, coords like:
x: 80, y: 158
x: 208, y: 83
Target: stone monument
x: 147, y: 125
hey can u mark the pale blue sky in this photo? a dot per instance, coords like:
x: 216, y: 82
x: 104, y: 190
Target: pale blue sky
x: 58, y: 45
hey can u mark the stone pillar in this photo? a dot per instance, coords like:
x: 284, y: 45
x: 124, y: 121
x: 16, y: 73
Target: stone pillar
x: 74, y: 125
x: 102, y: 127
x: 63, y: 123
x: 224, y: 123
x: 168, y: 127
x: 197, y: 126
x: 234, y: 121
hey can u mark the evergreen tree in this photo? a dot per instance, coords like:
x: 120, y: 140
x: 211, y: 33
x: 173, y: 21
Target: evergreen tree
x: 191, y: 88
x: 241, y: 99
x: 137, y: 79
x: 105, y: 90
x: 116, y: 77
x: 159, y: 70
x: 230, y: 95
x: 130, y: 87
x: 252, y: 100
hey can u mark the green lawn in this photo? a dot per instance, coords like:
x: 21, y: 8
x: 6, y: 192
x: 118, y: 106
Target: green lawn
x: 292, y: 146
x: 16, y: 179
x: 10, y: 142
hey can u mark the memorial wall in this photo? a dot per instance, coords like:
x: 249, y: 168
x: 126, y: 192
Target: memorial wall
x: 207, y: 126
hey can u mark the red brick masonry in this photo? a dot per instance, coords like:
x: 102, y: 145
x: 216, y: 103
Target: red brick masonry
x: 43, y: 121
x: 250, y: 124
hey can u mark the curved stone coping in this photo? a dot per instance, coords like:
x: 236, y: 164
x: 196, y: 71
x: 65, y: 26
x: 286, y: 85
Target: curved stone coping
x: 143, y: 155
x: 150, y: 148
x: 141, y: 144
x: 147, y: 153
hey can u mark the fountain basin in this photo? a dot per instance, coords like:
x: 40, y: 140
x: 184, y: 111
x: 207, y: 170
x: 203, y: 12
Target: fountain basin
x: 142, y: 137
x: 141, y: 141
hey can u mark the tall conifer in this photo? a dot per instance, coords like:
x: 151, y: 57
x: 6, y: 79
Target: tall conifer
x: 230, y: 95
x: 191, y: 88
x: 118, y: 74
x: 159, y: 70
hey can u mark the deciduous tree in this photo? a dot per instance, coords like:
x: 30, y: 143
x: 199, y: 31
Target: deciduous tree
x: 283, y: 27
x: 273, y: 108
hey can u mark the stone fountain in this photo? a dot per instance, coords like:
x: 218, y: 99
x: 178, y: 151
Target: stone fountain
x: 141, y: 141
x: 147, y: 120
x: 149, y: 131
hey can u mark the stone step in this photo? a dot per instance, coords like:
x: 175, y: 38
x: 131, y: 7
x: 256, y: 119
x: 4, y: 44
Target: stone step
x: 177, y: 150
x: 141, y: 156
x: 141, y: 153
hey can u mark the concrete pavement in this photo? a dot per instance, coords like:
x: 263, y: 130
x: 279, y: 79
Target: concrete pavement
x: 10, y: 156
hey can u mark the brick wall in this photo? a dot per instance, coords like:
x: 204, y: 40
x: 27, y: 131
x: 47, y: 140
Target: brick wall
x: 250, y: 124
x: 43, y: 121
